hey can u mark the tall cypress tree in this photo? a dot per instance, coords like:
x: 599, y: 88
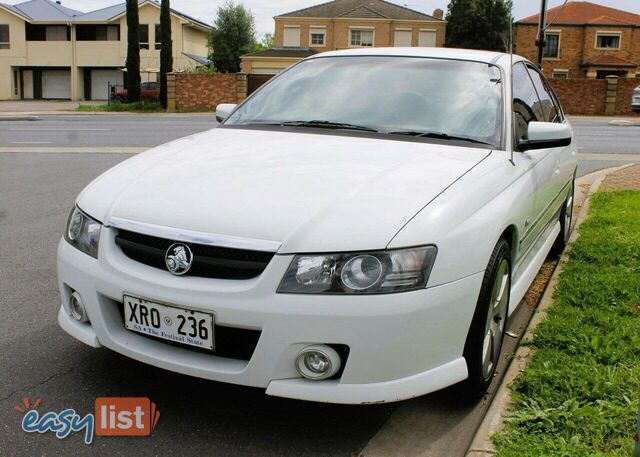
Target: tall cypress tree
x: 133, y: 51
x: 478, y: 24
x: 166, y: 50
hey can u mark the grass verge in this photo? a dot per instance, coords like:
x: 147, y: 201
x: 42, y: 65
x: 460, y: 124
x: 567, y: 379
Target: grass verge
x: 138, y: 107
x: 579, y: 394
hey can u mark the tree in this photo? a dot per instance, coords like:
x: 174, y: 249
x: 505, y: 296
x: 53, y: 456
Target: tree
x: 268, y: 42
x: 478, y: 24
x: 133, y: 51
x: 233, y: 34
x: 166, y: 49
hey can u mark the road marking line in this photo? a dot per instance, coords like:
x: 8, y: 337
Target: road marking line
x: 31, y: 142
x: 59, y: 130
x: 72, y: 150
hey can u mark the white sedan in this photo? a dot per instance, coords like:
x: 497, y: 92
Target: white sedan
x: 359, y: 230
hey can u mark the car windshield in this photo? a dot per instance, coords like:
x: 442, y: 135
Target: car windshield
x: 431, y: 98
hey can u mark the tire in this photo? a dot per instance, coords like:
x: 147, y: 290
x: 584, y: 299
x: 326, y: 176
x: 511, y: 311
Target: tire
x: 118, y: 99
x: 566, y: 219
x: 483, y: 347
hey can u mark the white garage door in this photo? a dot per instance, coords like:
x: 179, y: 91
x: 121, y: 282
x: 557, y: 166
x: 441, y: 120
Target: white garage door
x: 100, y: 80
x: 56, y: 84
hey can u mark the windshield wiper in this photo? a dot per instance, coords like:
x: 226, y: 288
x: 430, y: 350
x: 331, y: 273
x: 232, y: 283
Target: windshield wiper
x: 439, y: 135
x: 322, y: 124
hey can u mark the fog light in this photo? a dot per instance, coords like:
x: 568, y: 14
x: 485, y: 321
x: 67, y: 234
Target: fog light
x: 77, y: 308
x: 318, y: 362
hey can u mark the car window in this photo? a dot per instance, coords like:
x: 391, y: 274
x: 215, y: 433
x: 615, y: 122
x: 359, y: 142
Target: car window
x: 387, y: 94
x: 550, y: 111
x: 526, y: 104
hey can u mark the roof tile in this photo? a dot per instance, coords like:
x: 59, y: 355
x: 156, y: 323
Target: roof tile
x: 347, y: 8
x: 580, y: 12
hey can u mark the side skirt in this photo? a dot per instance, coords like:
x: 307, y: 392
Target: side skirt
x: 539, y: 253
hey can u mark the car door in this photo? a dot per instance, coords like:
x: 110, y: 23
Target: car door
x: 526, y: 109
x: 562, y: 158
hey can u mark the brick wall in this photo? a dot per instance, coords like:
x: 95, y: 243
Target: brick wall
x: 203, y: 92
x: 589, y: 96
x: 581, y: 96
x: 625, y: 92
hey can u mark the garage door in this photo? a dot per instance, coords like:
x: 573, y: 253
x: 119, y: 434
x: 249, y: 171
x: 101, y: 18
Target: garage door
x: 254, y: 82
x: 56, y: 84
x: 100, y: 80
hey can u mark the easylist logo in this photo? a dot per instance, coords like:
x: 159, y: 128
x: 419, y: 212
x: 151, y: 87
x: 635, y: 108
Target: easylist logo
x: 114, y: 416
x: 120, y: 416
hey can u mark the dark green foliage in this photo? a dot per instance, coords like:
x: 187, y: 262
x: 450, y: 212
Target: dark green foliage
x: 133, y: 51
x: 166, y: 49
x: 479, y: 24
x: 232, y: 36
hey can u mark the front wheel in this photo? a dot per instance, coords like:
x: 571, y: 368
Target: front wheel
x: 484, y: 342
x: 566, y: 219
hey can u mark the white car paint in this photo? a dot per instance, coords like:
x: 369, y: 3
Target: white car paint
x: 302, y: 192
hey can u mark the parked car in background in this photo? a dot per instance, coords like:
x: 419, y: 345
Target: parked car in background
x: 635, y: 100
x: 357, y: 231
x: 149, y: 92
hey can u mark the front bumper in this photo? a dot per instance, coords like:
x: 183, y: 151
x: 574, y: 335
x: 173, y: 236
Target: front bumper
x: 400, y: 345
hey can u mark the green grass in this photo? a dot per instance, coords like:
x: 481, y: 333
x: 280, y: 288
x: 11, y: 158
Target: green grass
x: 579, y: 395
x: 138, y: 107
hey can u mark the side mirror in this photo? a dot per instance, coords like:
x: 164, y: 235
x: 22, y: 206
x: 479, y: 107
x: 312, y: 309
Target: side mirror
x: 543, y: 135
x: 224, y: 110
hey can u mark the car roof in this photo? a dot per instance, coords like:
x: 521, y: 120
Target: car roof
x: 439, y: 53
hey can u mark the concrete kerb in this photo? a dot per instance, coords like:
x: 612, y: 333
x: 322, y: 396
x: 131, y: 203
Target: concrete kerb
x: 493, y: 422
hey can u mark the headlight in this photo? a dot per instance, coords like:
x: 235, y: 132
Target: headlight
x: 83, y: 232
x: 360, y: 273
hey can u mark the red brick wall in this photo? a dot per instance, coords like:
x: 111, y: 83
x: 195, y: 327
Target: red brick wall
x: 203, y: 92
x: 581, y: 96
x: 625, y: 92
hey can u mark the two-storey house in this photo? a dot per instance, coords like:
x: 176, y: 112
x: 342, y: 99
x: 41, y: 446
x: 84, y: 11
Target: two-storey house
x: 584, y: 40
x: 48, y: 51
x: 342, y: 24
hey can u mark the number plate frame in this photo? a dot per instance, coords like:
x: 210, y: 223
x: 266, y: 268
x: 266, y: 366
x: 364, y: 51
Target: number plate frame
x: 168, y: 329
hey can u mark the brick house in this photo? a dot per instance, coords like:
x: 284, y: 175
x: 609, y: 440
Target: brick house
x: 584, y: 40
x: 342, y: 24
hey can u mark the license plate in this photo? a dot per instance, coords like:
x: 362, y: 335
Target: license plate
x: 170, y: 323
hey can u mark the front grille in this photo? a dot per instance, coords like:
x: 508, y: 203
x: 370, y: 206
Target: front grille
x: 229, y: 342
x: 208, y: 261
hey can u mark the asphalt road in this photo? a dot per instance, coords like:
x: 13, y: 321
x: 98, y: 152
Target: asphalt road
x: 57, y: 132
x: 41, y: 361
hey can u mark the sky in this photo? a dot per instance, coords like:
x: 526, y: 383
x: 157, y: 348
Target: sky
x: 265, y: 10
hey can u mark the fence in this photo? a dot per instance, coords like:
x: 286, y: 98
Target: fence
x: 203, y: 92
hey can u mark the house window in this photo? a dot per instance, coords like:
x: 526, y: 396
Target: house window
x: 317, y: 36
x: 608, y: 40
x: 291, y: 37
x: 158, y: 34
x: 143, y: 34
x: 402, y: 38
x: 4, y: 36
x: 560, y: 74
x: 427, y: 39
x: 362, y: 37
x: 551, y: 45
x: 40, y: 32
x: 98, y: 32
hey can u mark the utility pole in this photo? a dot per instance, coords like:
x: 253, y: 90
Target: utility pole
x: 540, y: 40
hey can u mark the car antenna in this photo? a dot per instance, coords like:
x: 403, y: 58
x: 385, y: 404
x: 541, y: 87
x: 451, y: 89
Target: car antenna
x: 513, y: 138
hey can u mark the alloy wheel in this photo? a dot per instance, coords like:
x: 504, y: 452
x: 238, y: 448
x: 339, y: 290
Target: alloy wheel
x: 496, y: 319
